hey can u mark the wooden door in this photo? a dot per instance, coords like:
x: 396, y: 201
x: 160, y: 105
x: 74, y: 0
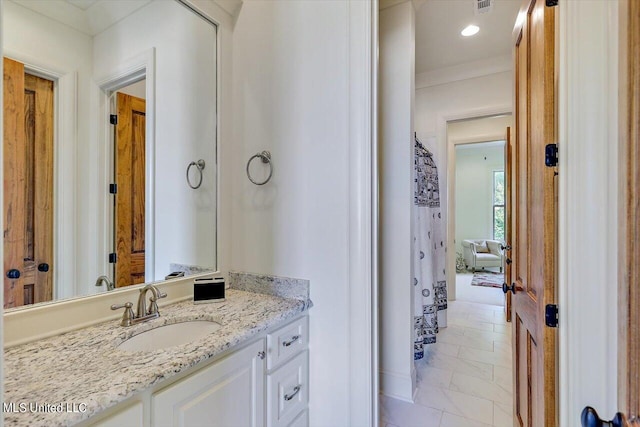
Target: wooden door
x: 508, y: 212
x: 629, y: 233
x: 130, y: 198
x: 28, y: 186
x: 533, y: 223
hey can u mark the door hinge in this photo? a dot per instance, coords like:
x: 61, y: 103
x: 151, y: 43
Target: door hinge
x: 551, y: 155
x: 113, y: 258
x: 551, y: 315
x: 551, y: 3
x: 113, y: 188
x: 113, y: 119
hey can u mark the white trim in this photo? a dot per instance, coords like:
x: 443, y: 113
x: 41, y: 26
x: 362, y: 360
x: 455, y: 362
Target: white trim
x: 64, y: 170
x: 480, y: 139
x: 396, y: 385
x: 65, y: 194
x: 466, y: 71
x: 375, y: 220
x: 588, y: 208
x: 197, y: 8
x: 441, y: 140
x: 130, y: 71
x: 363, y: 404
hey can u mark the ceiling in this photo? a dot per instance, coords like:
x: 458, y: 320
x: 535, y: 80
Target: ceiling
x: 438, y: 25
x: 91, y: 17
x: 87, y: 16
x: 82, y: 4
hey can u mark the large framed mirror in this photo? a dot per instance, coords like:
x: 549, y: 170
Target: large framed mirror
x: 110, y: 146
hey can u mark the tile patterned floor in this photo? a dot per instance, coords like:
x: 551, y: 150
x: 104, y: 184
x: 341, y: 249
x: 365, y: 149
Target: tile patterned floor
x: 466, y: 292
x: 465, y: 378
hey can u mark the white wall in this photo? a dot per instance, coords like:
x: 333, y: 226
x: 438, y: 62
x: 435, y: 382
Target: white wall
x: 475, y: 164
x: 290, y: 94
x: 396, y: 103
x: 465, y: 98
x: 474, y: 191
x: 185, y: 123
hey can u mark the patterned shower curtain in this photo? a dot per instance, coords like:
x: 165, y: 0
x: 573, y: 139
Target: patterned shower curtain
x: 430, y: 293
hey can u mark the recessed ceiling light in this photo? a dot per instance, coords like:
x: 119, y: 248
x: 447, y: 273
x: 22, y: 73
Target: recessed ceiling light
x: 470, y: 30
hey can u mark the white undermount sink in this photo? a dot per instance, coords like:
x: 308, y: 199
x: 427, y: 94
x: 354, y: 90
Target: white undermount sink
x: 169, y: 335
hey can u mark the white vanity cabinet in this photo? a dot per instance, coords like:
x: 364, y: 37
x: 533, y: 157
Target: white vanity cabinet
x: 263, y: 384
x: 288, y: 375
x: 227, y: 393
x: 132, y: 415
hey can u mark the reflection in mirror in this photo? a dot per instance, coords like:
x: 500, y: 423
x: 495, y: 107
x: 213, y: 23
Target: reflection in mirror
x: 105, y: 106
x: 129, y: 165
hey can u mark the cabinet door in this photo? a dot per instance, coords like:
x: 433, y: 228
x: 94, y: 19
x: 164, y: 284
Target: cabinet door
x: 225, y: 394
x: 131, y: 416
x: 288, y: 391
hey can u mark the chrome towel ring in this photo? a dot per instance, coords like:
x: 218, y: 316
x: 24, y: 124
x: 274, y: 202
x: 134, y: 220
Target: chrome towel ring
x: 265, y: 156
x: 200, y: 166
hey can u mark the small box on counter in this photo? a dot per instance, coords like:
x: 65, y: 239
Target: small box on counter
x: 174, y: 275
x: 208, y: 290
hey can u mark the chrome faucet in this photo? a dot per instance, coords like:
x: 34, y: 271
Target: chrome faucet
x: 107, y: 281
x: 142, y: 314
x: 153, y: 307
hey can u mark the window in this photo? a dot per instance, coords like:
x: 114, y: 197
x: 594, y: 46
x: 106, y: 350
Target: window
x: 498, y: 205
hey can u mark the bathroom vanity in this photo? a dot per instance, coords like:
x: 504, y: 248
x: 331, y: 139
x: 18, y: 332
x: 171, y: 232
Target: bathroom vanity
x: 237, y: 389
x: 252, y: 371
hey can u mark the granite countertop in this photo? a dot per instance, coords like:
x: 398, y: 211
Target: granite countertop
x: 85, y: 367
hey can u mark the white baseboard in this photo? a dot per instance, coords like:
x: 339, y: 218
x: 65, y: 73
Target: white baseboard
x: 398, y: 386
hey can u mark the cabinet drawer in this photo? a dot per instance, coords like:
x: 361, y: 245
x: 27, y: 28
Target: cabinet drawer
x: 287, y: 341
x: 288, y: 391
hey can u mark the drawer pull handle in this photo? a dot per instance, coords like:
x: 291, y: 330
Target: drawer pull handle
x: 296, y: 389
x: 293, y: 339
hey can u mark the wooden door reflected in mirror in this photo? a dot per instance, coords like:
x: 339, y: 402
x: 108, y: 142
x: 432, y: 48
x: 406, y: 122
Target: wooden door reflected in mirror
x: 28, y: 186
x: 130, y: 200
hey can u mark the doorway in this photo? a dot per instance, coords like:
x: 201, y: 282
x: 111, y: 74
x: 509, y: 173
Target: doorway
x: 477, y: 207
x: 465, y: 376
